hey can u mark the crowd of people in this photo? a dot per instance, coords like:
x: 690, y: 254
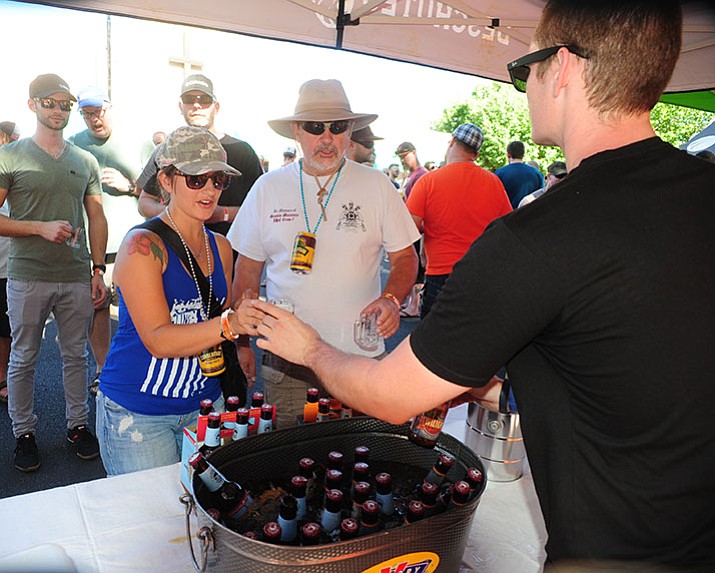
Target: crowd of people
x: 596, y: 298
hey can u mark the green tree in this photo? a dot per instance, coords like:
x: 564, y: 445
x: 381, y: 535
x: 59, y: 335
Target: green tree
x: 502, y: 114
x: 677, y: 124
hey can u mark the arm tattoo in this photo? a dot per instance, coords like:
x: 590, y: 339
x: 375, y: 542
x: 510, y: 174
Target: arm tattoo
x: 144, y: 245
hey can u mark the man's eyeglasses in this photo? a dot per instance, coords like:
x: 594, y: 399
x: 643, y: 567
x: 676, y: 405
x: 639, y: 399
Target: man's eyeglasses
x: 220, y: 179
x: 204, y: 100
x: 318, y: 127
x: 50, y: 103
x: 519, y: 69
x: 366, y: 144
x: 99, y: 114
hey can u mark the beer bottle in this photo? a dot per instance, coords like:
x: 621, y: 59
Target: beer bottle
x: 212, y: 439
x: 257, y: 399
x: 232, y: 500
x: 361, y: 472
x: 336, y: 408
x: 298, y: 486
x: 250, y: 534
x: 306, y: 468
x: 428, y: 496
x: 370, y: 517
x: 426, y: 427
x: 323, y: 410
x: 330, y: 519
x: 287, y: 518
x: 272, y: 532
x: 265, y: 423
x: 360, y: 494
x: 232, y: 405
x: 335, y: 460
x: 361, y: 454
x: 474, y: 478
x: 310, y: 534
x: 240, y: 430
x: 384, y: 495
x: 460, y: 494
x: 333, y: 480
x: 440, y: 469
x: 310, y: 409
x: 349, y: 529
x: 206, y: 406
x: 415, y: 511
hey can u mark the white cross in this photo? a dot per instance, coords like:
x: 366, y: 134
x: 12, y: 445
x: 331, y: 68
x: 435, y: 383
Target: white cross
x: 185, y: 61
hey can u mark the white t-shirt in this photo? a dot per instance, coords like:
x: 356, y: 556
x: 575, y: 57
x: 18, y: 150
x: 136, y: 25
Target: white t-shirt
x: 365, y: 215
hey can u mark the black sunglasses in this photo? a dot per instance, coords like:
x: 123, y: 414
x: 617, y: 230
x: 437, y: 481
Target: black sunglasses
x: 50, y: 103
x: 519, y: 69
x: 204, y: 100
x: 221, y: 180
x: 365, y: 144
x: 318, y: 127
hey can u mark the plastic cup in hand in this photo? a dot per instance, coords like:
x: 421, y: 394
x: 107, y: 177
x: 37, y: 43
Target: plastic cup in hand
x: 76, y: 239
x: 365, y: 332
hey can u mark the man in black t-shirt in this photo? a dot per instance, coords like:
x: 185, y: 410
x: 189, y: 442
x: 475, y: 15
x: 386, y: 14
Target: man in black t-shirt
x: 199, y: 106
x: 598, y: 298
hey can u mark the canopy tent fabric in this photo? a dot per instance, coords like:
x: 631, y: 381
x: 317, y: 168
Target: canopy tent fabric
x: 477, y: 37
x: 704, y: 100
x: 705, y: 140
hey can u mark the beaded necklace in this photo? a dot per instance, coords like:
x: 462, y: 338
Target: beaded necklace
x: 323, y: 206
x: 204, y: 313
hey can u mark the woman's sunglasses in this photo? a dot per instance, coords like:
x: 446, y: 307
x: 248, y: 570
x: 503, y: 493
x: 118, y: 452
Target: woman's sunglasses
x: 318, y: 127
x: 50, y: 103
x: 220, y: 179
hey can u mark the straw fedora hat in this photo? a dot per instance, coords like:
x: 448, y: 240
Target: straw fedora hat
x: 321, y: 100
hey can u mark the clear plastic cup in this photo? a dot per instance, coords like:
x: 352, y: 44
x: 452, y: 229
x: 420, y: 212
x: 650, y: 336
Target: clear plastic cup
x: 365, y: 332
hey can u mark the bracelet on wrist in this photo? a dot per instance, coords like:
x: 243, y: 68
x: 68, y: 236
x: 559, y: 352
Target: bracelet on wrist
x: 393, y: 298
x: 226, y: 331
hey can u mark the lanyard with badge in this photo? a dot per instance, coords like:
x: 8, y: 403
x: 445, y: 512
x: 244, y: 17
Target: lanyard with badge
x: 304, y: 244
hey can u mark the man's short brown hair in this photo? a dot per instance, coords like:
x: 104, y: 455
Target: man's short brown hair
x: 631, y: 45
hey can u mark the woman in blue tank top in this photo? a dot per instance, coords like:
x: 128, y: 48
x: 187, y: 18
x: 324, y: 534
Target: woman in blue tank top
x: 152, y: 382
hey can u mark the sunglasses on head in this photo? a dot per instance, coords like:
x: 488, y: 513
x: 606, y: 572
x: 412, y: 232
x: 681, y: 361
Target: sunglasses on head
x: 204, y: 100
x: 50, y: 103
x: 220, y: 179
x: 366, y: 144
x: 318, y: 127
x: 519, y: 70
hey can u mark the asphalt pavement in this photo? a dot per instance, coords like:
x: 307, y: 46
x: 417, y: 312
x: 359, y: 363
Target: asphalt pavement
x: 60, y: 465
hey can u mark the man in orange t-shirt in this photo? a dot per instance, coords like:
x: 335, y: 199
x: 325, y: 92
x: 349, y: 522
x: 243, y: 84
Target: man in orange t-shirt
x: 452, y: 206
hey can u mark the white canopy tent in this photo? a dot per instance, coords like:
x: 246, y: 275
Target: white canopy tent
x: 477, y: 37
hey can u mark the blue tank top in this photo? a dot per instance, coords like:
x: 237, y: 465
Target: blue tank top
x: 144, y: 384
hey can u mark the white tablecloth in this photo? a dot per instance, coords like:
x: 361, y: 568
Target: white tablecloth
x: 135, y: 523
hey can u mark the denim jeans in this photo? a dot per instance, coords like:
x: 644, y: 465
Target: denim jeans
x: 131, y: 442
x: 433, y: 286
x: 29, y: 305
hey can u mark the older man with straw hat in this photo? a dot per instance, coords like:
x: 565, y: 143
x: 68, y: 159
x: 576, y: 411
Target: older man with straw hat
x: 318, y: 226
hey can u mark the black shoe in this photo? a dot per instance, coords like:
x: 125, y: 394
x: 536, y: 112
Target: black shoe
x: 84, y: 440
x: 27, y: 458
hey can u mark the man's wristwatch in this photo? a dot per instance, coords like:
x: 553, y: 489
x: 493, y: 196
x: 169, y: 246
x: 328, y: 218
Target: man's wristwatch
x: 99, y: 270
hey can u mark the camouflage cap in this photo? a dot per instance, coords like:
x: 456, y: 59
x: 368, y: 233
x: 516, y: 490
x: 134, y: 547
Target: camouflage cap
x: 194, y: 151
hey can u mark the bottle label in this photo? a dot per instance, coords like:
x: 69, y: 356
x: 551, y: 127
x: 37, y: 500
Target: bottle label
x: 301, y: 261
x: 211, y: 479
x: 213, y: 437
x: 429, y: 424
x: 211, y: 361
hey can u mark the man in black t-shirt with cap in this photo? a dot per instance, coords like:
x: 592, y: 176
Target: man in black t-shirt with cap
x: 199, y: 106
